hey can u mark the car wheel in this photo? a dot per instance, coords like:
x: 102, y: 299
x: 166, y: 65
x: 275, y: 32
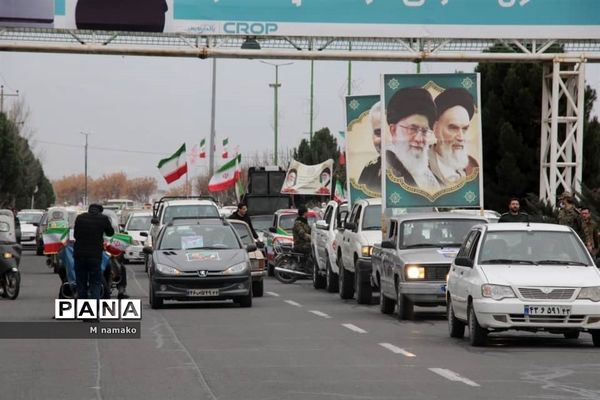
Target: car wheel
x: 571, y: 335
x: 258, y: 288
x: 405, y: 307
x: 456, y: 328
x: 477, y: 334
x: 319, y: 281
x: 595, y: 337
x: 346, y: 289
x: 386, y: 306
x: 39, y: 250
x: 331, y: 279
x: 364, y: 291
x: 155, y: 302
x: 245, y: 301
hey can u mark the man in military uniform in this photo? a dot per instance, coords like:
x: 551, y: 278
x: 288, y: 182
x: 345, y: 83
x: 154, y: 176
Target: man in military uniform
x: 590, y: 231
x: 568, y: 214
x: 301, y: 232
x: 371, y: 174
x: 514, y: 214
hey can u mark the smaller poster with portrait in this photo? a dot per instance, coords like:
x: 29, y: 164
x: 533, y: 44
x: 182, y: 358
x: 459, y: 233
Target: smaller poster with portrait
x: 308, y: 179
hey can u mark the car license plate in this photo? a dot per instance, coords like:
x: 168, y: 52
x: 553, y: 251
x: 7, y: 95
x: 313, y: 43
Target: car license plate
x: 203, y: 292
x: 547, y: 310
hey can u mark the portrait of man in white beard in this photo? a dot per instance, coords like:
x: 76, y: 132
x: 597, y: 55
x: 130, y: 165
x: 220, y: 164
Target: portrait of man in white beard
x: 449, y: 159
x: 410, y: 114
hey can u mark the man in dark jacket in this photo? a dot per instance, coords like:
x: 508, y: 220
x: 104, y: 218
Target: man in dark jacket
x: 301, y: 232
x: 514, y: 214
x: 90, y: 228
x: 242, y: 215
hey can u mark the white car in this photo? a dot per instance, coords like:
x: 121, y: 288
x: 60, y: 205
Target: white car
x: 137, y: 222
x: 520, y: 276
x: 29, y: 221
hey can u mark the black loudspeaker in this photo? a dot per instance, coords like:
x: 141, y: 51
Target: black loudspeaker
x: 276, y: 179
x: 259, y: 183
x: 121, y: 15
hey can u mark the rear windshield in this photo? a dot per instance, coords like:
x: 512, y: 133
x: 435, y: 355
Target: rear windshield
x: 190, y: 211
x: 139, y: 223
x: 30, y: 218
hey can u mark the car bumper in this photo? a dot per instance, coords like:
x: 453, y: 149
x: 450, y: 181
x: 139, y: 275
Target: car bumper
x: 426, y: 293
x: 258, y: 275
x: 510, y: 314
x: 177, y: 287
x: 134, y: 253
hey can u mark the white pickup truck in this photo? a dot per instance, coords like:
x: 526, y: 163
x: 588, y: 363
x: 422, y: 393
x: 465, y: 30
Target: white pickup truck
x: 354, y: 245
x: 325, y: 272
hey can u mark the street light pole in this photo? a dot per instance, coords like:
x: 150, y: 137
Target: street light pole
x: 275, y: 87
x: 211, y: 142
x: 85, y: 192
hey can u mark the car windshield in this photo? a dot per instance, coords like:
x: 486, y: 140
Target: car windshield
x: 139, y: 223
x: 30, y: 218
x: 188, y: 237
x: 244, y: 233
x: 372, y: 218
x: 190, y: 211
x: 261, y: 222
x: 287, y: 221
x: 533, y: 247
x: 436, y: 233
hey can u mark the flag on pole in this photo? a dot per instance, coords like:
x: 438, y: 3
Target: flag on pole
x: 55, y: 239
x: 342, y: 143
x: 118, y: 243
x: 340, y: 193
x: 202, y: 148
x: 226, y: 176
x: 174, y: 167
x: 225, y: 152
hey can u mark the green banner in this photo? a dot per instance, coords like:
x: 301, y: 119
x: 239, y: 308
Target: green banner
x: 432, y: 141
x: 363, y: 146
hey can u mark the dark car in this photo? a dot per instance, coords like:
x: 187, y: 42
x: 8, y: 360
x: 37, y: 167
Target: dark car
x: 199, y: 259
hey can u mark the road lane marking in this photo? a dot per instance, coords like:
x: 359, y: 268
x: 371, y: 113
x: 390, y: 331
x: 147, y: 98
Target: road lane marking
x: 273, y: 294
x: 354, y: 328
x: 320, y: 313
x: 98, y: 386
x: 396, y: 350
x: 293, y: 303
x: 453, y: 376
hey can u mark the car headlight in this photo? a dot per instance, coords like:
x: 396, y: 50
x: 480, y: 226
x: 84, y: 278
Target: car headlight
x: 366, y: 251
x: 165, y: 269
x: 497, y: 292
x: 415, y: 272
x: 236, y: 269
x: 590, y: 293
x: 7, y: 255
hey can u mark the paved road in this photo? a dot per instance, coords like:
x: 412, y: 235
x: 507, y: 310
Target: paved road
x: 294, y: 343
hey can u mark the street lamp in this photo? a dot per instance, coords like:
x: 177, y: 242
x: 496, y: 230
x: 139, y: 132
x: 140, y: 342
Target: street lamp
x: 276, y: 87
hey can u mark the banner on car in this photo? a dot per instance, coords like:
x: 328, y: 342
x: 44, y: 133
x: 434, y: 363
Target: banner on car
x: 516, y: 19
x: 432, y: 148
x: 363, y: 146
x: 308, y: 179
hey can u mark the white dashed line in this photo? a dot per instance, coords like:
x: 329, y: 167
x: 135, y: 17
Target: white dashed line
x: 293, y: 303
x: 354, y: 328
x: 396, y: 350
x: 272, y: 294
x: 320, y: 314
x: 453, y: 376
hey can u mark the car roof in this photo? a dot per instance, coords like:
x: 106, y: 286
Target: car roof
x: 188, y: 202
x: 31, y: 211
x: 140, y: 213
x: 437, y: 215
x: 524, y: 226
x: 198, y: 221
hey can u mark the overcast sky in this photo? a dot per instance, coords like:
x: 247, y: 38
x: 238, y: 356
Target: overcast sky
x: 150, y: 106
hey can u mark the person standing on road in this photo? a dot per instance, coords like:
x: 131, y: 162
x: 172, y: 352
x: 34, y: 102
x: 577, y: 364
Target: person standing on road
x: 89, y: 231
x: 590, y: 231
x: 301, y: 232
x: 241, y: 214
x: 514, y: 214
x: 568, y: 214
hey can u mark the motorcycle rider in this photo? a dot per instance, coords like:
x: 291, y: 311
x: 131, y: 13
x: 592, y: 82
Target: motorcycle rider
x: 301, y: 233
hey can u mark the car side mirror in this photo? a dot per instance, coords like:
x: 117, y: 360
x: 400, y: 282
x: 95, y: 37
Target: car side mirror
x: 154, y: 221
x: 463, y: 262
x: 147, y: 250
x: 35, y: 223
x: 144, y: 234
x: 250, y: 248
x: 321, y: 224
x: 350, y: 225
x: 387, y: 244
x: 272, y: 229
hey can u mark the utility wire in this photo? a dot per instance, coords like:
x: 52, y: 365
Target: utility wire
x: 101, y: 148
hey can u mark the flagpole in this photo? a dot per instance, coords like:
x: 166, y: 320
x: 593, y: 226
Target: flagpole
x: 211, y: 142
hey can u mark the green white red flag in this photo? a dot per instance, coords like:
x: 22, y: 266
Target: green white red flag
x: 226, y: 176
x: 55, y: 239
x: 202, y: 148
x: 225, y: 144
x: 118, y: 244
x: 174, y: 167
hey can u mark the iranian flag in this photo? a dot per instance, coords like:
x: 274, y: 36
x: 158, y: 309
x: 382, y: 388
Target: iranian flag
x: 117, y: 244
x: 55, y: 239
x: 203, y: 148
x: 226, y: 176
x: 174, y: 167
x: 225, y: 152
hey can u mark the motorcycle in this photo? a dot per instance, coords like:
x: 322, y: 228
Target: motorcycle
x: 10, y: 256
x: 291, y: 266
